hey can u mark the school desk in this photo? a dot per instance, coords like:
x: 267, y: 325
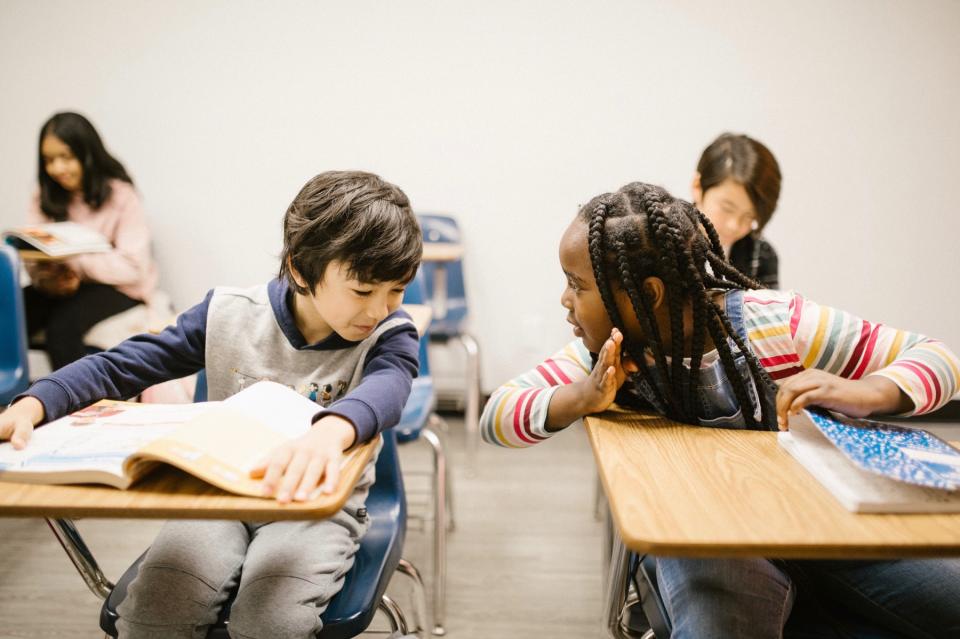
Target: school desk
x: 168, y: 493
x: 679, y: 490
x: 440, y: 253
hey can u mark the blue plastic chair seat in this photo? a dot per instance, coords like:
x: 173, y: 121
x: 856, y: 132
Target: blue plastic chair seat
x: 12, y: 383
x: 14, y: 377
x: 352, y: 609
x: 452, y: 324
x: 417, y: 410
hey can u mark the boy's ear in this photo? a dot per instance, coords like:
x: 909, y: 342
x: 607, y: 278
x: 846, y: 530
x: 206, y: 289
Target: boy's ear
x: 696, y: 190
x: 295, y: 274
x: 655, y: 291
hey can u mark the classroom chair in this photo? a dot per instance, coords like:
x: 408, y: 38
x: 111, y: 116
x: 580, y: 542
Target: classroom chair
x: 446, y: 290
x: 14, y: 371
x: 417, y: 421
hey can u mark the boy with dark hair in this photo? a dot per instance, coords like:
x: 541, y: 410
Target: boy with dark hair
x: 332, y: 321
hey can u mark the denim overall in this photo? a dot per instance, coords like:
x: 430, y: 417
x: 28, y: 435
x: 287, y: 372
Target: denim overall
x: 718, y: 406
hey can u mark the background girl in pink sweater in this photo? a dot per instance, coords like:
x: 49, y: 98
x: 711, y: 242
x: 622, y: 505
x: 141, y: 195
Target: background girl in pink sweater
x: 79, y: 181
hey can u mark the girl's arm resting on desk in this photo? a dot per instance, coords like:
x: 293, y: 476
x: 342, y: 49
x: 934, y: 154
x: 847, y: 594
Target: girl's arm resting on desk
x: 862, y: 368
x: 530, y: 408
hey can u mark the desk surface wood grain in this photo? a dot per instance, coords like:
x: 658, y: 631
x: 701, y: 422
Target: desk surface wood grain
x: 679, y: 490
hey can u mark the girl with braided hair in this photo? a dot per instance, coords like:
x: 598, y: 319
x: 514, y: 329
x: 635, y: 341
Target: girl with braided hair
x: 663, y: 321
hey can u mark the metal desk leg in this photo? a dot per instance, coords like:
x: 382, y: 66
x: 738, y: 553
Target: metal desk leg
x: 617, y: 583
x: 83, y: 560
x: 439, y: 299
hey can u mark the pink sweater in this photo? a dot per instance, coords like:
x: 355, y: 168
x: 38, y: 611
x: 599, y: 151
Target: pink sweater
x: 129, y: 266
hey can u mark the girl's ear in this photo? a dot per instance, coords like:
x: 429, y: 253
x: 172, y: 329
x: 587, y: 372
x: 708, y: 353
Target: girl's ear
x: 655, y: 291
x: 696, y: 190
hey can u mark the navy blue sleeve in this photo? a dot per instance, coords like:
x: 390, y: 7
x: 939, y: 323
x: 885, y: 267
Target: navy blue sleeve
x: 126, y: 370
x: 378, y: 400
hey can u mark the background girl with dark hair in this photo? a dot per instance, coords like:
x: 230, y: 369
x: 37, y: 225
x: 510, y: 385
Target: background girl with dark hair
x: 79, y: 181
x: 658, y: 312
x: 737, y: 185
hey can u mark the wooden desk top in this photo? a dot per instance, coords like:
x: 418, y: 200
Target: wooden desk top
x: 680, y: 490
x: 441, y: 252
x: 421, y: 314
x: 168, y: 493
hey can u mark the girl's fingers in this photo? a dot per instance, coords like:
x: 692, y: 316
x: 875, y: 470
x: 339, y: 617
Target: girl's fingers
x: 800, y: 402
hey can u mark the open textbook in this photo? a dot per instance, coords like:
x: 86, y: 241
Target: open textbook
x: 58, y: 239
x: 872, y: 467
x: 117, y: 443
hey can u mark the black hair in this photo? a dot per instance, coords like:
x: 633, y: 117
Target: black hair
x: 748, y: 162
x: 352, y: 217
x: 99, y: 167
x: 642, y: 231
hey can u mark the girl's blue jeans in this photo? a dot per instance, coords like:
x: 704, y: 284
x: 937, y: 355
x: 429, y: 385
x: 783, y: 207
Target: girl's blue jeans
x: 753, y: 598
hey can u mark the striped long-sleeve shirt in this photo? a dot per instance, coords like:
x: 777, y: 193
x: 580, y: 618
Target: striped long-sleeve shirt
x: 788, y: 333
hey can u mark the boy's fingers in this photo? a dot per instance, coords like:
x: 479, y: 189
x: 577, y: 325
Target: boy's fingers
x: 278, y: 461
x: 292, y: 476
x: 311, y: 477
x: 333, y: 476
x: 21, y: 434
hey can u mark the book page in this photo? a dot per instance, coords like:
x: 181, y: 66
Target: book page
x: 221, y: 446
x: 62, y: 238
x: 96, y: 439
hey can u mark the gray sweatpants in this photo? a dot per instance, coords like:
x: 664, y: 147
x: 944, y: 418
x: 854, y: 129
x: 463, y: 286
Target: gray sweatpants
x: 287, y: 571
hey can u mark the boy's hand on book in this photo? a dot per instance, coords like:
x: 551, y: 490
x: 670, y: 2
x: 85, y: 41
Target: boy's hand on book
x: 17, y: 422
x: 292, y: 471
x: 853, y: 397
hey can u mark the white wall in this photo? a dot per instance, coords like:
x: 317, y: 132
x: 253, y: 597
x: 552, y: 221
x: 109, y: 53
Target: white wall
x: 510, y: 114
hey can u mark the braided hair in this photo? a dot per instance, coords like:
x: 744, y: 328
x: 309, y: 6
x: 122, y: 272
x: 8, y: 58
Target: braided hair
x: 642, y: 231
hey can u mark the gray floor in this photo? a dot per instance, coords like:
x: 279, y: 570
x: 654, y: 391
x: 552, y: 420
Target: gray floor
x: 524, y: 560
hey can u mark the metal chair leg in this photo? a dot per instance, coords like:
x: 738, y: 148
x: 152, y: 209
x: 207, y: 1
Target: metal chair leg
x: 471, y: 414
x: 394, y: 614
x: 418, y: 596
x: 69, y: 537
x: 439, y: 530
x: 616, y: 587
x: 438, y: 425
